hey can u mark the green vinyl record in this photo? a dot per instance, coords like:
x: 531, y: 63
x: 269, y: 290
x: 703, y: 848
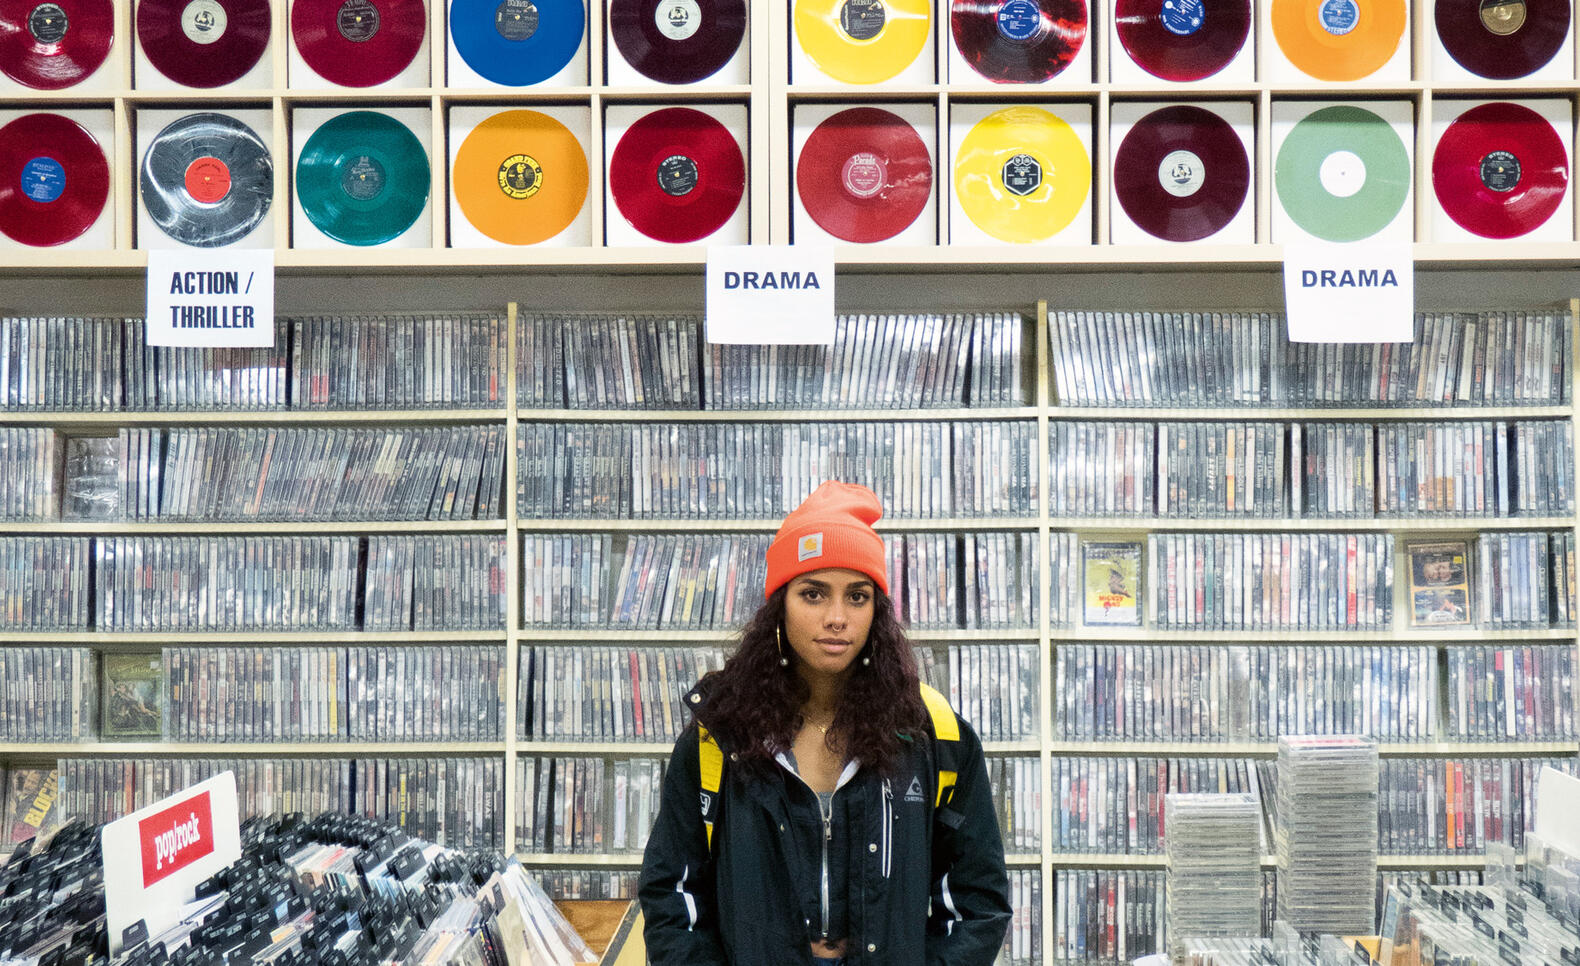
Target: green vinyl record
x: 1342, y: 174
x: 362, y: 178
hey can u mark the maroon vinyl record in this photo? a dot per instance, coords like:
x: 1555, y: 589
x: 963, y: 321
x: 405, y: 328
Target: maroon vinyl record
x: 55, y: 43
x: 1182, y: 40
x: 203, y: 43
x: 1181, y: 173
x: 864, y: 175
x: 1018, y: 41
x: 1500, y: 170
x: 1502, y: 39
x: 358, y: 43
x: 54, y: 179
x: 677, y: 175
x: 677, y: 41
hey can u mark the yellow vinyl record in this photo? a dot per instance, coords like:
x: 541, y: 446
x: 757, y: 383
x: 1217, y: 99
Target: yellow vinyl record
x: 1022, y: 174
x: 863, y: 41
x: 520, y: 177
x: 1338, y: 40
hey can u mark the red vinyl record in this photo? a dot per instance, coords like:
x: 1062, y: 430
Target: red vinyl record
x: 677, y: 41
x: 1018, y: 41
x: 1181, y: 173
x: 203, y: 43
x: 1500, y: 170
x: 864, y: 175
x: 54, y: 180
x: 358, y: 43
x: 55, y: 43
x: 1182, y: 40
x: 677, y: 175
x: 1502, y: 39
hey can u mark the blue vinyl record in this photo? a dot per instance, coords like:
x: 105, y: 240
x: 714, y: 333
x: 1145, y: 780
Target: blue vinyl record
x: 517, y: 42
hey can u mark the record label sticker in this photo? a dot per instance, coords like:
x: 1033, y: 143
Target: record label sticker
x: 677, y: 175
x: 208, y: 180
x: 1500, y: 171
x: 1503, y: 17
x: 1022, y: 174
x: 364, y: 179
x: 864, y: 174
x: 678, y: 19
x: 520, y: 176
x: 862, y: 19
x: 1019, y: 20
x: 203, y: 21
x: 358, y: 20
x: 1342, y: 174
x: 516, y: 19
x: 1182, y: 17
x: 1181, y: 173
x: 47, y: 23
x: 1338, y: 17
x: 43, y: 179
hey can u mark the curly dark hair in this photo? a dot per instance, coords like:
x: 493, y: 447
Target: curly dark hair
x: 754, y: 703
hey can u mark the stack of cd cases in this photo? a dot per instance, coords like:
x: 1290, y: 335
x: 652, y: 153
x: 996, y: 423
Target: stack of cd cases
x: 1215, y: 865
x: 1327, y: 833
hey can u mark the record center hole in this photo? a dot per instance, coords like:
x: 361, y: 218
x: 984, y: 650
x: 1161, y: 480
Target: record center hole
x: 1343, y: 173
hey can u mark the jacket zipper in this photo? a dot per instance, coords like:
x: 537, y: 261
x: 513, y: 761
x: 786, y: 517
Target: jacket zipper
x: 827, y: 814
x: 887, y: 832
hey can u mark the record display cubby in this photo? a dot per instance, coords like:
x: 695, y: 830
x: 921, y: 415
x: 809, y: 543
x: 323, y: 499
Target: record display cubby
x: 124, y: 107
x: 1036, y: 856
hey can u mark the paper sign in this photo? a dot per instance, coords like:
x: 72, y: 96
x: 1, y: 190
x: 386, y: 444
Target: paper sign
x: 204, y: 298
x: 770, y: 295
x: 1557, y: 804
x: 155, y: 857
x: 1357, y: 292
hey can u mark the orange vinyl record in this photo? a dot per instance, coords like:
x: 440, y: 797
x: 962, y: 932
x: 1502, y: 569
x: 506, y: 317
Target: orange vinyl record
x: 520, y: 177
x: 1339, y: 40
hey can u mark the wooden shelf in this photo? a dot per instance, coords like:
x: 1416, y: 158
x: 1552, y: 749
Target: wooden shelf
x: 682, y: 635
x: 110, y: 420
x: 266, y: 749
x: 1269, y: 749
x: 1415, y: 635
x: 158, y: 527
x: 155, y: 639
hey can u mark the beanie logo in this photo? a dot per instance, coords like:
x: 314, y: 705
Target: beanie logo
x: 811, y: 546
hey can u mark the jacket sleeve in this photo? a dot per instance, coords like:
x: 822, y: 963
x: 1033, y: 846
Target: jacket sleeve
x: 679, y: 906
x: 968, y: 911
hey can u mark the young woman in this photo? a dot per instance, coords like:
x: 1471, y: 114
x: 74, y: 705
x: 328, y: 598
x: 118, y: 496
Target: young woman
x: 852, y: 822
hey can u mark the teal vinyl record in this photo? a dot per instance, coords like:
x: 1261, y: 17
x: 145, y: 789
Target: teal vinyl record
x: 362, y: 178
x: 1342, y: 174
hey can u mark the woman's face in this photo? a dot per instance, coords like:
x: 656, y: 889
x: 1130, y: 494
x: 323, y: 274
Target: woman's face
x: 827, y: 616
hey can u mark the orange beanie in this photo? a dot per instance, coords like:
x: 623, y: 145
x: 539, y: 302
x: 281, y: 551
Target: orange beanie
x: 831, y: 528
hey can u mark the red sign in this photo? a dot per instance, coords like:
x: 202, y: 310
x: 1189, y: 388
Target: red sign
x: 175, y: 838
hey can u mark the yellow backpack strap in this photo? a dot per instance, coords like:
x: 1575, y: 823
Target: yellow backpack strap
x: 946, y: 729
x: 710, y: 762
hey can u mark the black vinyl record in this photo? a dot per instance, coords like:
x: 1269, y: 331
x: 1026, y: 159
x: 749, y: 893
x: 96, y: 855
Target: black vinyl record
x: 207, y: 180
x: 1181, y: 173
x: 54, y: 44
x: 1018, y: 41
x: 203, y: 43
x: 677, y: 41
x: 1502, y: 39
x: 1182, y: 40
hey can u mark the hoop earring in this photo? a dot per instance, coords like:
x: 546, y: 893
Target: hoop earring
x: 780, y: 642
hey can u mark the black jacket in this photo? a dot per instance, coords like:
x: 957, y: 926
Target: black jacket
x: 933, y: 891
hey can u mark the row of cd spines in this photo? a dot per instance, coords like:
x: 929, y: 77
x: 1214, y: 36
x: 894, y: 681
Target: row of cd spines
x: 458, y: 802
x: 879, y: 361
x: 601, y: 693
x: 1174, y: 581
x: 571, y: 805
x: 920, y: 470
